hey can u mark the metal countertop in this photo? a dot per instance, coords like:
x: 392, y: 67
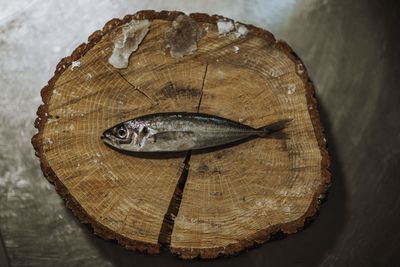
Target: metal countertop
x: 351, y: 50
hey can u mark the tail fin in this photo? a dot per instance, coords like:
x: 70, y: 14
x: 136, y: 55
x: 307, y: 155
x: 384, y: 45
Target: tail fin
x: 273, y: 130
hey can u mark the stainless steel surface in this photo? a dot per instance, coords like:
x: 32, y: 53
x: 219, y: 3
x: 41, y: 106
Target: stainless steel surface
x: 351, y: 51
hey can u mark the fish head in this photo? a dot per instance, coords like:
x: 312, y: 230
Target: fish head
x: 126, y: 136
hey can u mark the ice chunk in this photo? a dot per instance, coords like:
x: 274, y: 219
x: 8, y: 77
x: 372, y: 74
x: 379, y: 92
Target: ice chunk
x: 241, y: 31
x: 133, y: 34
x: 225, y: 26
x: 182, y: 38
x: 230, y: 29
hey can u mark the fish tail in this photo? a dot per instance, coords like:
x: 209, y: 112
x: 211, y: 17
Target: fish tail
x: 273, y: 130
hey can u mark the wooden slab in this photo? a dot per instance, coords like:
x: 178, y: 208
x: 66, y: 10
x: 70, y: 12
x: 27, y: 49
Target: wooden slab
x: 224, y: 201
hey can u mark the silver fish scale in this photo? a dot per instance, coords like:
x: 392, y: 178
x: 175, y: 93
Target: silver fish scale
x: 192, y: 131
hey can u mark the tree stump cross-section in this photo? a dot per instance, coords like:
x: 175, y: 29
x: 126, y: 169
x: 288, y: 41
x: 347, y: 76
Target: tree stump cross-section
x: 196, y: 204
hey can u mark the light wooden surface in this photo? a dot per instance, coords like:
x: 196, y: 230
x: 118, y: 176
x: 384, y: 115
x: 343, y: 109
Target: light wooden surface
x: 232, y: 198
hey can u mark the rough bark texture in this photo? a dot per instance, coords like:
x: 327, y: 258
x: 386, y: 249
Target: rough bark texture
x: 206, y: 205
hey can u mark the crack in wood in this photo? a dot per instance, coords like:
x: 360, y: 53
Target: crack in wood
x: 202, y: 87
x: 136, y: 88
x: 167, y: 226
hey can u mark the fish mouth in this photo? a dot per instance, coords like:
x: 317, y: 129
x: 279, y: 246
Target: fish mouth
x: 107, y: 140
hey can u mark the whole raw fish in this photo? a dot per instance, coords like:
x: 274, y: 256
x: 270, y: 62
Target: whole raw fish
x: 180, y: 131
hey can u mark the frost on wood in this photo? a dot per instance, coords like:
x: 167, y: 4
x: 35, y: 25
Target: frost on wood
x: 182, y: 38
x: 232, y: 30
x: 132, y: 35
x: 291, y: 88
x: 75, y: 64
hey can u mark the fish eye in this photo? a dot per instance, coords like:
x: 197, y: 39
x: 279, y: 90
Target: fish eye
x: 122, y: 132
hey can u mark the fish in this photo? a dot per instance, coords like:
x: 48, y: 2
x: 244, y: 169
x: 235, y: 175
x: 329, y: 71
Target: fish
x: 181, y: 131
